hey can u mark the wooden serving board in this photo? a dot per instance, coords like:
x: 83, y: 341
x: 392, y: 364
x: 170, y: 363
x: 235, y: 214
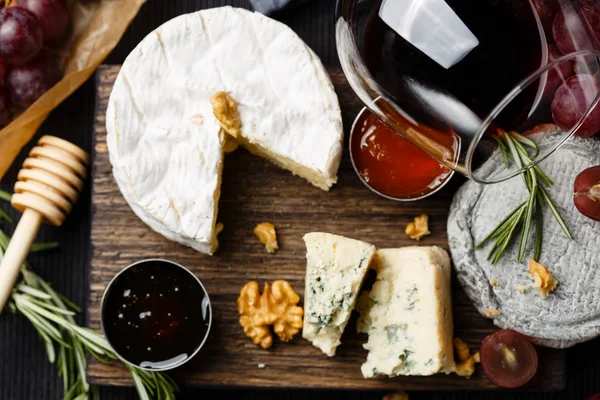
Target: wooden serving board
x: 255, y: 191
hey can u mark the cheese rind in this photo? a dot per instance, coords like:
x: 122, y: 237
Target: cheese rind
x: 335, y: 269
x: 165, y: 144
x: 410, y: 316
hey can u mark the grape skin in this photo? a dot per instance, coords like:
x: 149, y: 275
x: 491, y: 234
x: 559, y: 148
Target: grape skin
x: 2, y: 71
x: 557, y: 75
x: 587, y: 193
x: 4, y: 108
x: 20, y: 35
x: 572, y: 100
x: 569, y: 29
x: 53, y: 16
x: 26, y: 83
x: 546, y: 10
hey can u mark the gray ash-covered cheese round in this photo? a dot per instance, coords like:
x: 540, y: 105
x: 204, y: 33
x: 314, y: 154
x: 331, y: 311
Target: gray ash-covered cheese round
x: 570, y: 314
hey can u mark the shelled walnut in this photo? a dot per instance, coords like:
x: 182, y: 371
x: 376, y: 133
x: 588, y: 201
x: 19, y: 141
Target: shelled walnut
x: 396, y: 396
x: 226, y: 112
x: 543, y: 280
x: 418, y: 228
x: 265, y: 232
x: 276, y: 306
x: 466, y: 365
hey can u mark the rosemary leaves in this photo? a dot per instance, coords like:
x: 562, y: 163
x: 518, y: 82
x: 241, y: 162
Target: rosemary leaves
x: 514, y: 146
x: 68, y: 344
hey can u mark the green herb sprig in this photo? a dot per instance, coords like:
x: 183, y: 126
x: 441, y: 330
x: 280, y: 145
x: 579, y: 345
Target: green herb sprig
x: 514, y: 146
x: 52, y: 316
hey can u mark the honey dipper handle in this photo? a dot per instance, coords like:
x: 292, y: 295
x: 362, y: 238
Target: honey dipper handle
x: 17, y: 251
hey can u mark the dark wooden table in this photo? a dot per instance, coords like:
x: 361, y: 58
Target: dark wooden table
x: 25, y: 373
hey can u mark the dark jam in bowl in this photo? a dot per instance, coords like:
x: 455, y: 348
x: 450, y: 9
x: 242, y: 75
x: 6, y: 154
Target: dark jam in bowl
x: 156, y: 314
x: 391, y: 165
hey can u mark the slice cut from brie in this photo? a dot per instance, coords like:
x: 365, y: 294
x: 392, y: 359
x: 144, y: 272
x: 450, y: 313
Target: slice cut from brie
x: 335, y: 269
x: 165, y: 143
x: 409, y: 314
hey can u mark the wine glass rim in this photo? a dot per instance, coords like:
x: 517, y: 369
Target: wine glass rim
x: 516, y: 91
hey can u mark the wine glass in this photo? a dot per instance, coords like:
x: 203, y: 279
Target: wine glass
x: 471, y: 82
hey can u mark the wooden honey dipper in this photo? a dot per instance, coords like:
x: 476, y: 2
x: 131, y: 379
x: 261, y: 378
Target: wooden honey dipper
x: 48, y: 185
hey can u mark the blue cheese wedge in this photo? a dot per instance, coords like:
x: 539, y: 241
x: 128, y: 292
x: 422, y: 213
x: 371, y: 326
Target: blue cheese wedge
x: 408, y: 315
x: 336, y: 267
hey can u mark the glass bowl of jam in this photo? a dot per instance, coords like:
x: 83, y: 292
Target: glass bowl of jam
x: 390, y: 165
x: 156, y: 315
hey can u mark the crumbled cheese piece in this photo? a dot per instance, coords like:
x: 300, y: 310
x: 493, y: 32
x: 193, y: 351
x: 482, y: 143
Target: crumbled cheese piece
x: 197, y: 119
x: 265, y: 232
x: 226, y: 112
x: 462, y: 349
x: 543, y: 280
x: 396, y: 396
x: 492, y: 313
x: 261, y: 366
x: 419, y: 228
x: 495, y: 283
x: 520, y: 288
x: 477, y: 357
x: 364, y: 303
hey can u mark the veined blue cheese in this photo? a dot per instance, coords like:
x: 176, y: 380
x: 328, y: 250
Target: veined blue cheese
x: 335, y: 269
x: 408, y: 315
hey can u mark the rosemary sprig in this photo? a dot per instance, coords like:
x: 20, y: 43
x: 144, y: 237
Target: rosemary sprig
x: 52, y: 316
x: 5, y: 196
x: 513, y: 145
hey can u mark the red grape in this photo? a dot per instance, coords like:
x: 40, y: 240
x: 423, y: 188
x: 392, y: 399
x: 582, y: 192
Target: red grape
x: 569, y: 28
x: 2, y: 71
x: 20, y: 35
x: 594, y: 397
x: 53, y: 16
x: 4, y: 108
x: 546, y: 10
x: 587, y: 193
x: 571, y: 101
x: 28, y: 82
x: 557, y: 75
x: 508, y: 358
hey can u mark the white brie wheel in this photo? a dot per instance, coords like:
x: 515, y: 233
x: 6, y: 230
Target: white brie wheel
x: 165, y: 145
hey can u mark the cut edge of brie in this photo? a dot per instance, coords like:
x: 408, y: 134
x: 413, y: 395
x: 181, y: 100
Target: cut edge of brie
x: 322, y: 181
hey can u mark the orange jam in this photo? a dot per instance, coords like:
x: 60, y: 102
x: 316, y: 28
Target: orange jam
x: 390, y: 164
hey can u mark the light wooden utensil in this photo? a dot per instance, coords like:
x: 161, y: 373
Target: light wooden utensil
x: 48, y: 185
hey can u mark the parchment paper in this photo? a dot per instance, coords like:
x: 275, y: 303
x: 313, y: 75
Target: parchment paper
x: 96, y: 28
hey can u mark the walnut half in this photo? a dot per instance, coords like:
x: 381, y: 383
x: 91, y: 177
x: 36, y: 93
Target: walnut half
x: 419, y: 228
x: 466, y: 365
x: 276, y: 306
x: 396, y: 396
x: 226, y: 112
x: 543, y: 280
x: 265, y: 232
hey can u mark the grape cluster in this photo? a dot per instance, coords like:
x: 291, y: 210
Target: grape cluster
x: 29, y: 32
x: 572, y: 85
